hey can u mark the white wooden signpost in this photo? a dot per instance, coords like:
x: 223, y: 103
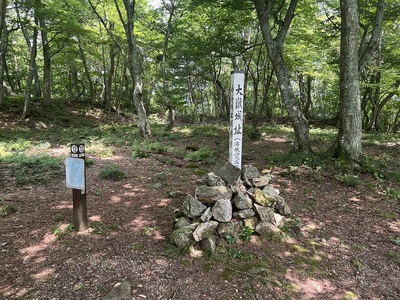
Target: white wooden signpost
x: 76, y: 179
x: 236, y: 122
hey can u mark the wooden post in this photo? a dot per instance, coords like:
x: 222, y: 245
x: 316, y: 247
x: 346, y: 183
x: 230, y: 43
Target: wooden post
x: 80, y: 210
x: 79, y: 195
x: 236, y: 128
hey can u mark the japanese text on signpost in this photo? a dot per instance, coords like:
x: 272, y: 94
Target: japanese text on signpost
x: 236, y: 122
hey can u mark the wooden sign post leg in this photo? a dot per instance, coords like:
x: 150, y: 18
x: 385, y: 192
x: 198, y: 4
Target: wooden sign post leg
x: 80, y: 210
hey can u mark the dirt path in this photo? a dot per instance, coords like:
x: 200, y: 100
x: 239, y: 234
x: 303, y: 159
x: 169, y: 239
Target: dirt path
x: 349, y: 247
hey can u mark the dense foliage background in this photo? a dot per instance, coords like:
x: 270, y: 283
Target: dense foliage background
x: 185, y: 52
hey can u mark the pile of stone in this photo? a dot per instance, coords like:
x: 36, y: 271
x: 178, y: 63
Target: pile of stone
x: 231, y: 202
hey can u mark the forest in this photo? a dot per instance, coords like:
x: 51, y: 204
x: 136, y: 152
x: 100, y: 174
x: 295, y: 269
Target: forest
x: 174, y: 58
x: 145, y: 86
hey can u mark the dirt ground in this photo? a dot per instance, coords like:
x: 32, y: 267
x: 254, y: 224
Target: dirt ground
x: 349, y: 246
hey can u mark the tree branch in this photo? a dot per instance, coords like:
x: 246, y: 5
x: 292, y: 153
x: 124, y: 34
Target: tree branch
x: 366, y: 54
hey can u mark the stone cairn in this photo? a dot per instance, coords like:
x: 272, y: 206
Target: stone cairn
x: 229, y: 204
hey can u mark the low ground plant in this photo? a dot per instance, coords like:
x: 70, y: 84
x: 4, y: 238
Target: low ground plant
x: 112, y: 172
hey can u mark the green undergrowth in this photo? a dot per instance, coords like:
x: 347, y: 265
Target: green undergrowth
x: 26, y: 169
x: 6, y: 209
x: 204, y: 154
x: 112, y: 172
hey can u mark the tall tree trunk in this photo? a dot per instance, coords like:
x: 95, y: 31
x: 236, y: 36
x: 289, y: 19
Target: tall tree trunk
x: 3, y: 46
x: 167, y: 34
x: 350, y: 122
x: 366, y: 48
x: 223, y: 98
x: 32, y: 71
x: 268, y: 103
x: 46, y: 56
x: 275, y: 52
x: 109, y: 79
x: 87, y: 72
x: 396, y: 124
x: 135, y: 68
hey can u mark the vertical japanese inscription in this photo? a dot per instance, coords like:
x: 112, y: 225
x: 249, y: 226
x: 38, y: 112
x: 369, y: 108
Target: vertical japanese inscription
x: 236, y: 119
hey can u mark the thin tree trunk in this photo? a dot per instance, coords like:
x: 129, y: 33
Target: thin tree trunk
x: 109, y: 80
x: 366, y: 50
x: 31, y: 74
x: 222, y: 95
x: 275, y: 52
x: 3, y: 46
x: 167, y: 34
x: 87, y: 72
x: 46, y: 58
x: 135, y: 68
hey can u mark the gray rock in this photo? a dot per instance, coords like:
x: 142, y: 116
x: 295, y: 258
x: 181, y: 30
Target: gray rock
x: 234, y: 229
x: 269, y: 190
x: 242, y: 201
x: 249, y: 172
x: 183, y: 237
x: 278, y: 219
x: 266, y: 214
x: 238, y: 186
x: 260, y: 182
x: 267, y: 230
x: 206, y: 216
x: 244, y: 214
x: 214, y: 180
x: 226, y: 171
x: 208, y: 245
x: 181, y: 222
x: 175, y: 194
x: 211, y: 194
x: 192, y: 207
x: 293, y: 225
x: 222, y: 210
x: 121, y: 290
x: 281, y: 206
x: 205, y: 230
x: 157, y: 186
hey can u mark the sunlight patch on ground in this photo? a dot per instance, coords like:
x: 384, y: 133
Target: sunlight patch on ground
x: 164, y: 202
x: 310, y: 226
x: 115, y: 199
x: 134, y: 191
x: 64, y: 205
x: 270, y: 138
x: 43, y: 275
x: 291, y: 241
x: 128, y: 186
x: 157, y: 235
x: 20, y: 294
x: 395, y: 226
x: 309, y: 287
x: 355, y: 199
x: 138, y: 224
x: 146, y: 206
x: 32, y: 251
x: 95, y: 218
x: 113, y: 158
